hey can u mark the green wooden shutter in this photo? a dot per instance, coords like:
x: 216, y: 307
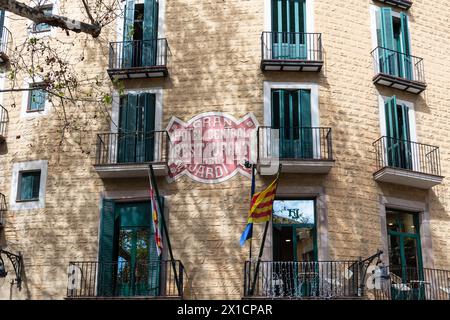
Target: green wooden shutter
x: 128, y: 31
x: 149, y: 126
x: 406, y: 60
x: 305, y: 124
x: 106, y: 255
x: 150, y: 40
x: 2, y: 23
x: 387, y: 55
x: 128, y: 129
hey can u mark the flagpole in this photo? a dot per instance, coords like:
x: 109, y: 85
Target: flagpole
x: 251, y: 197
x: 163, y: 220
x: 261, y: 249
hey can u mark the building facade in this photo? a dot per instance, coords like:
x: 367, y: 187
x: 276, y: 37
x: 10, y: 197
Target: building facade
x: 349, y: 96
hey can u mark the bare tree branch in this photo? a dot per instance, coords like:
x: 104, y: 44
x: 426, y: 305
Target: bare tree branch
x: 37, y: 16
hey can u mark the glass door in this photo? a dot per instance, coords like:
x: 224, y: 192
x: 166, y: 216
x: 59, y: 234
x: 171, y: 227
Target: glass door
x: 405, y: 259
x: 138, y: 268
x: 294, y: 248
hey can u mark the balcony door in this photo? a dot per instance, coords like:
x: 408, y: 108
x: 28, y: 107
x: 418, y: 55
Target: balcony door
x: 291, y: 114
x: 140, y: 34
x: 129, y: 264
x: 294, y: 245
x: 393, y: 39
x: 289, y: 41
x: 136, y: 136
x: 398, y: 140
x: 405, y: 257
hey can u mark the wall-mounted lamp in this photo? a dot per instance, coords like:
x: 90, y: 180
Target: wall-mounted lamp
x: 16, y: 261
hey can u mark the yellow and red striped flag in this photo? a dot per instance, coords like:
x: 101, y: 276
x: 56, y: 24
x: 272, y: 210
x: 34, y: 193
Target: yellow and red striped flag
x: 262, y: 203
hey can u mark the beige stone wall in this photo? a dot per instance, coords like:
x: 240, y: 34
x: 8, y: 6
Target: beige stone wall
x: 214, y: 66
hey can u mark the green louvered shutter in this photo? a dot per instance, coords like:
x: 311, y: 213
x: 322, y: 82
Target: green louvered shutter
x: 288, y: 27
x: 149, y: 126
x: 387, y: 52
x: 128, y: 31
x: 128, y: 128
x: 150, y: 40
x: 406, y: 61
x: 2, y: 23
x: 106, y: 268
x: 305, y: 124
x: 37, y: 100
x: 145, y: 127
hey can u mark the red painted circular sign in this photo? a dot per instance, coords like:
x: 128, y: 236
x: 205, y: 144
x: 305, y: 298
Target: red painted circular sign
x: 211, y: 147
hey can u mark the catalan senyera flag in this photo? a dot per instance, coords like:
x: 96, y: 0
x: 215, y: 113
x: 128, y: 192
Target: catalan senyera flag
x: 155, y: 218
x: 262, y: 203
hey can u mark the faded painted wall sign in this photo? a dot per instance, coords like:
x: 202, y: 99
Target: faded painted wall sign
x: 211, y: 147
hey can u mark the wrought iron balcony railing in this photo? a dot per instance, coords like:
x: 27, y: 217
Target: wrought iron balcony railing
x: 2, y: 209
x: 5, y: 44
x: 138, y: 54
x: 132, y: 147
x: 4, y: 119
x: 295, y: 143
x: 408, y: 155
x: 291, y: 46
x: 88, y: 279
x: 398, y: 64
x: 406, y: 283
x: 304, y: 280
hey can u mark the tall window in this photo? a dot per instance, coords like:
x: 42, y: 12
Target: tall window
x: 288, y: 27
x: 140, y: 34
x: 37, y: 97
x: 43, y: 27
x: 393, y: 40
x: 136, y: 128
x: 29, y: 182
x: 291, y: 113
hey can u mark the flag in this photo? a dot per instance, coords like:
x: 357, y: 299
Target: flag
x: 260, y: 209
x: 247, y: 234
x: 155, y: 218
x: 262, y: 203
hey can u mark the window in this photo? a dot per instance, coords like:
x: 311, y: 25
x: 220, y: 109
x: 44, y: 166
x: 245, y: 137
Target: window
x: 43, y: 27
x: 28, y: 185
x: 37, y: 97
x: 29, y: 182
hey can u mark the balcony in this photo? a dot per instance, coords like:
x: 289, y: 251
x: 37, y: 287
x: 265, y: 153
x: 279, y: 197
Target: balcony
x: 303, y: 280
x: 138, y: 59
x: 127, y: 155
x: 403, y: 4
x: 3, y: 123
x: 125, y: 280
x: 407, y: 163
x: 406, y: 283
x: 291, y: 51
x: 2, y: 209
x: 398, y: 70
x: 5, y: 45
x: 299, y: 150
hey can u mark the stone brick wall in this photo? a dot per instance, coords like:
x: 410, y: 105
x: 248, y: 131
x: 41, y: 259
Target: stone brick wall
x: 214, y: 66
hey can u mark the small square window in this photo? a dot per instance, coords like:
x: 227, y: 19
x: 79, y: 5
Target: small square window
x: 37, y: 97
x: 28, y: 189
x: 43, y: 27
